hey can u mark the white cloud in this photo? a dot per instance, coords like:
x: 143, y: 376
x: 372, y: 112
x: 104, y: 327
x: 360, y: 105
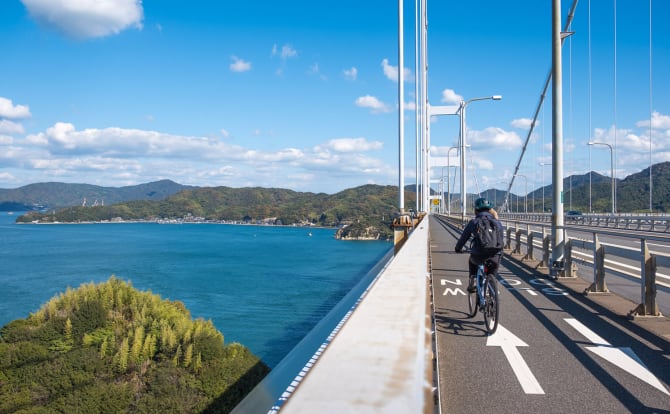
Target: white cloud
x: 286, y: 51
x: 373, y: 103
x: 239, y: 65
x: 391, y: 72
x: 483, y: 164
x: 350, y: 145
x: 118, y: 156
x: 351, y: 74
x: 11, y: 111
x: 523, y: 123
x: 87, y: 18
x: 449, y: 96
x: 658, y: 121
x: 494, y: 137
x: 9, y: 127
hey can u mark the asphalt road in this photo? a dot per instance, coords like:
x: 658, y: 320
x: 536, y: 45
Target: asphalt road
x: 556, y: 350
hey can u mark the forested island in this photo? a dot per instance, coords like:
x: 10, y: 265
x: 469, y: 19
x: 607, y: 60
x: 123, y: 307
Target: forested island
x: 109, y: 348
x: 364, y: 212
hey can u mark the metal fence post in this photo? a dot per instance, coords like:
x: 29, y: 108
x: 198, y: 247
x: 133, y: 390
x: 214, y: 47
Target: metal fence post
x: 508, y: 242
x: 570, y: 266
x: 648, y: 307
x: 529, y: 250
x: 598, y: 285
x: 545, y: 249
x: 517, y: 238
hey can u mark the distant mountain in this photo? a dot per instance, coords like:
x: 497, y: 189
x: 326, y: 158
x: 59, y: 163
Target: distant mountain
x: 56, y: 195
x: 632, y: 193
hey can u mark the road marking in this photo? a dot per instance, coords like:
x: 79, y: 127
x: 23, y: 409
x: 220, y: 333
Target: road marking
x: 509, y: 342
x: 514, y: 282
x: 450, y: 291
x: 624, y: 358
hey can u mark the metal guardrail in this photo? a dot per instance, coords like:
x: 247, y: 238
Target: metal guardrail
x: 603, y: 257
x: 596, y: 252
x: 644, y: 222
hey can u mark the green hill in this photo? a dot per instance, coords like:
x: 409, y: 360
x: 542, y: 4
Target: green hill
x: 370, y: 205
x: 109, y: 348
x: 58, y: 195
x: 632, y: 193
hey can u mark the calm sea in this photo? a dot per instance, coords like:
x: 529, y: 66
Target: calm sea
x: 264, y: 287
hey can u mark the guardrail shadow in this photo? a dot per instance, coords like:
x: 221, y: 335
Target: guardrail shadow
x: 650, y: 347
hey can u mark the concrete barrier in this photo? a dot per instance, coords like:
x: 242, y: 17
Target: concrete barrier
x: 378, y: 358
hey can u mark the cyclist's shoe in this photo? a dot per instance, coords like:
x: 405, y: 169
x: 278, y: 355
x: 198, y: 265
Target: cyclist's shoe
x: 471, y: 284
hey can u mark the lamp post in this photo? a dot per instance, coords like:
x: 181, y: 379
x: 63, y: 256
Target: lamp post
x: 448, y: 179
x: 495, y: 193
x: 611, y: 171
x: 441, y: 208
x: 525, y: 197
x: 461, y: 110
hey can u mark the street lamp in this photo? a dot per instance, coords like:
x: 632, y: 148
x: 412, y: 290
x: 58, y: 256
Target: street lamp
x: 461, y: 110
x: 525, y: 197
x: 448, y: 179
x: 611, y: 171
x: 495, y: 193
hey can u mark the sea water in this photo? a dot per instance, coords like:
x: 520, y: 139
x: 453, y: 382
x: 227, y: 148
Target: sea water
x: 262, y: 286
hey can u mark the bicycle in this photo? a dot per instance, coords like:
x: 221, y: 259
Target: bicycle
x: 485, y: 296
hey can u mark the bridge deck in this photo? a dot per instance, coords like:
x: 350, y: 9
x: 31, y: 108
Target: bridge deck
x: 555, y: 350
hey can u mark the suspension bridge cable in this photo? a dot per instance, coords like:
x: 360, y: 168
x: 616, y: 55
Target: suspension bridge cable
x: 475, y: 174
x: 651, y: 186
x: 417, y: 123
x: 615, y: 117
x: 590, y: 106
x: 572, y: 135
x: 568, y: 22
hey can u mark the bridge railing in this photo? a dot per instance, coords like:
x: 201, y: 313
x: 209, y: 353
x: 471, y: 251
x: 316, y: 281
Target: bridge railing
x: 638, y: 263
x: 645, y: 222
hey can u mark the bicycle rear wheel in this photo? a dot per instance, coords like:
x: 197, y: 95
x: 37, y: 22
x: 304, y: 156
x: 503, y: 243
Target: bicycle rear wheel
x: 473, y: 303
x: 491, y: 310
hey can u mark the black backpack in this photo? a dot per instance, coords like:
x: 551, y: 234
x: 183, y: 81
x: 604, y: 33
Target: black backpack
x: 487, y: 236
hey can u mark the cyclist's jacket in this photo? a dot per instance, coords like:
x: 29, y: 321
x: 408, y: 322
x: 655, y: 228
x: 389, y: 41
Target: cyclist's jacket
x: 471, y: 228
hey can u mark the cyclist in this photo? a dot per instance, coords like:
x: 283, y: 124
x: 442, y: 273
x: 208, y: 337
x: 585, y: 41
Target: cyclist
x: 477, y: 255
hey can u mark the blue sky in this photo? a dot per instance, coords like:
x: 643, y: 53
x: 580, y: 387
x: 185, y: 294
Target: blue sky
x: 286, y: 94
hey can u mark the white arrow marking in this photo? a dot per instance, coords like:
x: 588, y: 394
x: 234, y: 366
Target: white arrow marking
x: 624, y: 358
x: 509, y: 342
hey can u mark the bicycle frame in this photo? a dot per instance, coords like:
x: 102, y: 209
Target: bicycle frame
x: 485, y: 298
x: 480, y: 278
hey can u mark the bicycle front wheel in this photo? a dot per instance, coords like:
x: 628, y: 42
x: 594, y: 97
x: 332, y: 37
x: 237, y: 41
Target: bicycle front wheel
x: 492, y: 307
x: 473, y: 303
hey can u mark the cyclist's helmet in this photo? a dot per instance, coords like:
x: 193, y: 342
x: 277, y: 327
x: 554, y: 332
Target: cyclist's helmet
x: 482, y: 204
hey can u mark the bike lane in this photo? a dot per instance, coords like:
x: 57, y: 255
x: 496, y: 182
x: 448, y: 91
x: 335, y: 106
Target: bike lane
x: 555, y: 351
